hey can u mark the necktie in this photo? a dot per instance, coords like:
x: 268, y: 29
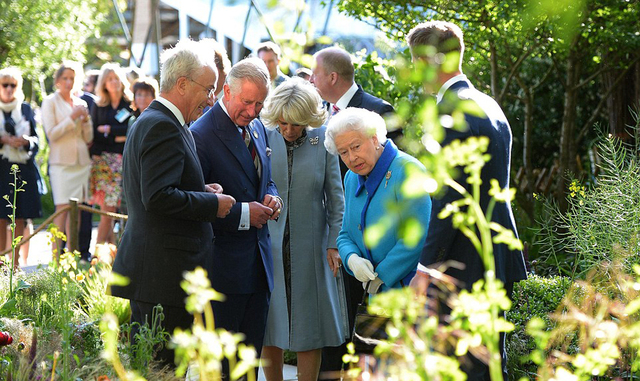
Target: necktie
x: 250, y: 146
x: 335, y: 110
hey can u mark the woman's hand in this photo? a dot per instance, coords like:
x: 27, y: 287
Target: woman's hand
x: 334, y: 261
x: 104, y: 129
x: 79, y: 112
x: 362, y: 268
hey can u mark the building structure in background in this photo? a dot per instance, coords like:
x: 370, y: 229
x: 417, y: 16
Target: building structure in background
x: 239, y: 25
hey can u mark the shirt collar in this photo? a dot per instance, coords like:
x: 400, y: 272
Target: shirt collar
x: 344, y: 100
x: 166, y: 103
x: 447, y: 85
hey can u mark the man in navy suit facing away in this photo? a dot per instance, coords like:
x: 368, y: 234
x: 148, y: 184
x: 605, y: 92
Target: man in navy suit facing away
x: 444, y: 242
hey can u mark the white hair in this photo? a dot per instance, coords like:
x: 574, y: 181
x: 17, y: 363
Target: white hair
x: 364, y: 121
x: 187, y: 59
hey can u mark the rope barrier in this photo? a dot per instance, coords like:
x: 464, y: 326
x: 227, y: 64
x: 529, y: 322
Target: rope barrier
x: 64, y: 209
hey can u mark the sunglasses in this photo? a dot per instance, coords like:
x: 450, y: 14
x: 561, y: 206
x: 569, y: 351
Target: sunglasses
x: 12, y: 85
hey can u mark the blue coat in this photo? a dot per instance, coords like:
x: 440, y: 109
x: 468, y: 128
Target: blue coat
x: 381, y: 193
x: 444, y: 242
x: 225, y: 159
x: 314, y: 204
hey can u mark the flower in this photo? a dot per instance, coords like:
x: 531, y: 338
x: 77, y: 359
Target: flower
x: 5, y: 339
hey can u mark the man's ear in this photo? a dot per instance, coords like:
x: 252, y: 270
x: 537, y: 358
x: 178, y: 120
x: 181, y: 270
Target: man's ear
x: 181, y: 85
x: 333, y: 77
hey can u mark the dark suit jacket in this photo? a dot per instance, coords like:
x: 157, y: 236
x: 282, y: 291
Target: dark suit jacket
x: 362, y: 99
x: 444, y: 242
x: 242, y: 261
x: 367, y: 101
x: 168, y: 231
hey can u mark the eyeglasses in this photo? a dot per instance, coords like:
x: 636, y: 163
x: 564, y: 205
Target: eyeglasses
x: 12, y: 85
x: 210, y: 91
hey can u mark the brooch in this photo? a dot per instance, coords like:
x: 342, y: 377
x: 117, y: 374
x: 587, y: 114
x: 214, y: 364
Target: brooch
x: 255, y: 134
x: 388, y: 176
x: 268, y: 151
x: 314, y: 141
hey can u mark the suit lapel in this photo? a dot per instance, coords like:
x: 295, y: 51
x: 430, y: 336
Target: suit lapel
x: 228, y: 133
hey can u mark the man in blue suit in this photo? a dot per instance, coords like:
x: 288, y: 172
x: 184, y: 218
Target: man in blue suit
x: 444, y: 242
x: 233, y: 149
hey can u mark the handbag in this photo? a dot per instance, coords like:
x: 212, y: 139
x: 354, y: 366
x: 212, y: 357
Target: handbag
x: 369, y: 329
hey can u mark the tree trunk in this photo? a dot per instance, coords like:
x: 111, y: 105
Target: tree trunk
x: 623, y: 97
x: 567, y: 162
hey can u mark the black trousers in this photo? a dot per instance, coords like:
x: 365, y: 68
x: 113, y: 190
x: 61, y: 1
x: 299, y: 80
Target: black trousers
x: 174, y: 317
x: 332, y: 356
x: 243, y: 313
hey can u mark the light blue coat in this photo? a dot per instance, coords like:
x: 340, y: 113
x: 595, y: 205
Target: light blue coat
x: 314, y: 203
x: 393, y: 260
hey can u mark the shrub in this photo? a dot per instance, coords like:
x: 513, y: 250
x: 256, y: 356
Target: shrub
x: 534, y: 297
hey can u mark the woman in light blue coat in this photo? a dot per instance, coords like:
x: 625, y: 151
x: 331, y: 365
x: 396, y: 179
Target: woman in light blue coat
x: 307, y: 311
x: 375, y: 192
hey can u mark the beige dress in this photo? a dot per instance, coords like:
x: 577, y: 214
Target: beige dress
x: 69, y: 161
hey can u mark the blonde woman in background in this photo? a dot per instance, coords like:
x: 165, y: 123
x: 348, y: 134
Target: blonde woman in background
x: 110, y: 123
x: 67, y: 124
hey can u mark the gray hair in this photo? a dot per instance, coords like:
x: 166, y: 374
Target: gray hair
x: 251, y: 69
x: 356, y: 119
x: 187, y: 59
x: 295, y: 101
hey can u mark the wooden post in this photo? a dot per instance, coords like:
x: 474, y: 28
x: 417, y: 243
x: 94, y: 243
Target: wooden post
x: 72, y: 234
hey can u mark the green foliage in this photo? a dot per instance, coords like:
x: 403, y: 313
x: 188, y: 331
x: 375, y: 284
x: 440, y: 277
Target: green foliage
x: 536, y: 297
x: 35, y: 35
x: 602, y: 222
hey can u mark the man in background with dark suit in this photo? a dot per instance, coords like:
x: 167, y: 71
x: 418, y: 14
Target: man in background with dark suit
x: 444, y: 242
x: 170, y: 207
x: 234, y: 152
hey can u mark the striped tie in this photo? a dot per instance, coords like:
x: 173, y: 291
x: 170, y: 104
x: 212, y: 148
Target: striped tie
x: 335, y: 110
x: 252, y: 148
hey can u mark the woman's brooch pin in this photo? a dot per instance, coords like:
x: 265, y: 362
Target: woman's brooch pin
x: 388, y: 176
x: 268, y: 151
x: 314, y: 141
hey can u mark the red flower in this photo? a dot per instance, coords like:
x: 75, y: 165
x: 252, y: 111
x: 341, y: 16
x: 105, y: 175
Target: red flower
x: 5, y: 339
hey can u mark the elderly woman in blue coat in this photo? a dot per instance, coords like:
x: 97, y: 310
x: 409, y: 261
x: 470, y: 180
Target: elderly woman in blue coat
x: 373, y: 191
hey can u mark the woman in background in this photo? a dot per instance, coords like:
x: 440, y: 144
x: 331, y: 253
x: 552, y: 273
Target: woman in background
x: 306, y: 312
x: 144, y: 92
x: 18, y: 145
x: 110, y: 123
x: 67, y: 124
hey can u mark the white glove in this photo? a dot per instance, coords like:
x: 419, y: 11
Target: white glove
x: 362, y: 269
x: 374, y: 285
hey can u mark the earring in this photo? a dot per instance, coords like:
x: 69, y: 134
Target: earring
x: 377, y: 148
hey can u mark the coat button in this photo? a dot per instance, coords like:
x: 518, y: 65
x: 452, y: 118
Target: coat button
x: 359, y: 227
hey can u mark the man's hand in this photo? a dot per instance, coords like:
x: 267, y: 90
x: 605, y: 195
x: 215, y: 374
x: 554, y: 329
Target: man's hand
x: 213, y: 188
x: 273, y: 203
x: 361, y: 268
x: 334, y: 261
x: 420, y: 282
x: 259, y: 214
x: 225, y: 202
